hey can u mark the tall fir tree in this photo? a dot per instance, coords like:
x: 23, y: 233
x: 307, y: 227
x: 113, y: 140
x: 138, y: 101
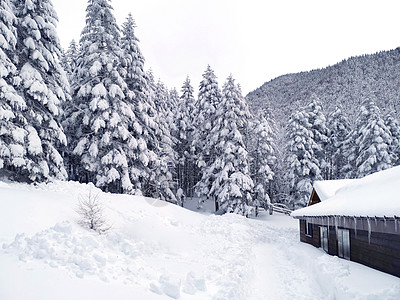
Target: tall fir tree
x: 262, y: 157
x: 162, y: 183
x: 173, y: 101
x: 349, y: 169
x: 208, y: 99
x: 373, y: 140
x: 69, y: 59
x: 186, y: 167
x: 301, y: 163
x: 279, y: 193
x: 232, y: 184
x: 339, y: 129
x: 43, y: 85
x: 319, y: 130
x: 134, y: 60
x: 146, y: 122
x: 101, y: 123
x: 14, y: 156
x: 394, y: 128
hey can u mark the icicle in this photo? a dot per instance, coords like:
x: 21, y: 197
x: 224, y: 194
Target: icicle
x: 336, y: 225
x: 384, y: 221
x: 369, y: 230
x: 395, y: 224
x: 376, y: 222
x: 355, y: 226
x: 328, y: 224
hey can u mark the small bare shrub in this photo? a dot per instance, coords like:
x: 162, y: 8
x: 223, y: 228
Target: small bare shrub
x: 91, y: 213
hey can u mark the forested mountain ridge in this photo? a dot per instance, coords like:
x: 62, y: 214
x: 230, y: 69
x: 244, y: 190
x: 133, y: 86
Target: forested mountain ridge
x: 337, y: 122
x: 347, y: 83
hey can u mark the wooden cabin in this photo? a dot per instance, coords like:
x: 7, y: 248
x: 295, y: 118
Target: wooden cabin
x: 356, y: 219
x: 323, y: 190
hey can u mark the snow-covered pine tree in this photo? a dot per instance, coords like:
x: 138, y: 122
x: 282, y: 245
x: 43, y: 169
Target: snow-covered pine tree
x: 165, y: 104
x: 320, y: 134
x: 208, y: 99
x: 186, y: 167
x: 262, y: 157
x: 373, y: 141
x: 301, y: 163
x: 232, y: 185
x: 70, y: 58
x: 43, y: 85
x: 173, y: 101
x: 394, y: 127
x: 102, y: 119
x: 350, y: 154
x: 134, y: 60
x: 13, y: 146
x: 142, y: 104
x: 339, y: 129
x: 278, y: 186
x: 162, y: 180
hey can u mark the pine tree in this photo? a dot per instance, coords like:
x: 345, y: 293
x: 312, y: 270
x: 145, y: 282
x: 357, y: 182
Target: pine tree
x: 43, y: 86
x: 394, y: 128
x: 373, y: 140
x: 208, y: 100
x: 262, y: 156
x: 138, y: 83
x: 134, y: 60
x: 162, y: 181
x: 301, y: 163
x: 232, y: 185
x: 349, y: 169
x: 186, y: 167
x: 339, y: 129
x: 320, y: 134
x: 173, y: 101
x: 70, y: 58
x: 102, y: 118
x: 13, y: 154
x: 279, y: 193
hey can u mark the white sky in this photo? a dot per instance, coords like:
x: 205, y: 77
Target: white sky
x: 255, y: 40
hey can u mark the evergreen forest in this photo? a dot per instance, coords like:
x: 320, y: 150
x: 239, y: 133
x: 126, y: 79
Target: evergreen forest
x: 95, y: 113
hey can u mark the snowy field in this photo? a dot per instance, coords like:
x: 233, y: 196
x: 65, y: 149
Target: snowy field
x: 160, y: 251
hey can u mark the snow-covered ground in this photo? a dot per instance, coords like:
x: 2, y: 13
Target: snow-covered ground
x: 157, y: 250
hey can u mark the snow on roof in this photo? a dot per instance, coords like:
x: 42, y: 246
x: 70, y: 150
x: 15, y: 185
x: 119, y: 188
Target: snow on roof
x: 376, y: 195
x: 327, y: 189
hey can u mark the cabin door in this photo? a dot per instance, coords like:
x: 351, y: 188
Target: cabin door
x: 324, y: 238
x: 343, y: 238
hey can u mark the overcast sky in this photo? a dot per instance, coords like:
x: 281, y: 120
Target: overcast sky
x: 254, y: 40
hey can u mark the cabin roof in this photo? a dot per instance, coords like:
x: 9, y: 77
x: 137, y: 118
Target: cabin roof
x: 376, y: 195
x: 328, y: 188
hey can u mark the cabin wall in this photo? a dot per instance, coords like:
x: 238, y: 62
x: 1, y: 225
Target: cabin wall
x: 314, y: 239
x: 377, y: 250
x: 332, y: 241
x: 370, y: 245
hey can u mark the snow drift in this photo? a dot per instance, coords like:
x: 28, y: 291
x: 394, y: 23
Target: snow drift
x: 157, y: 250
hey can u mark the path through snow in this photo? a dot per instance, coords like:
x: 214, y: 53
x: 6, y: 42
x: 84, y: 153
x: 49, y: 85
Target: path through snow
x: 161, y: 251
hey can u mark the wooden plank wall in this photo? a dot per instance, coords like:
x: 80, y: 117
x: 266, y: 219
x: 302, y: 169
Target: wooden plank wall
x: 380, y: 251
x: 377, y: 250
x: 314, y: 239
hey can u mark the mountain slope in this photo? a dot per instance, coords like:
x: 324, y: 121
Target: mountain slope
x: 376, y: 76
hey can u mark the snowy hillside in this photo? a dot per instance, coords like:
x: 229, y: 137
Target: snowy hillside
x: 157, y: 250
x: 347, y: 83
